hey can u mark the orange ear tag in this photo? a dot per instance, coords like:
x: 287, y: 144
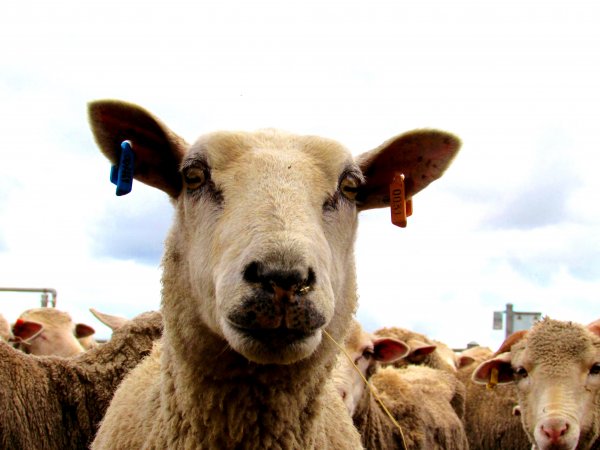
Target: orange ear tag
x: 399, y: 206
x: 493, y: 379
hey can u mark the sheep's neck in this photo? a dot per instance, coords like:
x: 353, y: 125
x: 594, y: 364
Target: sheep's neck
x: 224, y: 396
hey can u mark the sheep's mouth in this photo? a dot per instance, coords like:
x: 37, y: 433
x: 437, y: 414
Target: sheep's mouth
x: 273, y: 337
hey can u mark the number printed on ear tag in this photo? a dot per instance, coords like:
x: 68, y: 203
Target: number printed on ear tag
x: 398, y: 203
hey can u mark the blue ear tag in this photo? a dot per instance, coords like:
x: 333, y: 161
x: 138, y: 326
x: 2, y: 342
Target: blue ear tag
x: 122, y: 174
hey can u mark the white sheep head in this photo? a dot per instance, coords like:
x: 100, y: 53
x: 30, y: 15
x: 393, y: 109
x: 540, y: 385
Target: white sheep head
x: 556, y: 369
x: 261, y: 249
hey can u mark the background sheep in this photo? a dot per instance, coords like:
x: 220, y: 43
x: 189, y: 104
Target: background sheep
x: 490, y: 422
x: 5, y: 333
x: 423, y: 350
x: 555, y: 367
x: 56, y: 403
x: 258, y: 263
x: 420, y: 398
x: 59, y: 335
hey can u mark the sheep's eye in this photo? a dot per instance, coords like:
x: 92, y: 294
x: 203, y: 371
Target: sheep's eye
x: 349, y: 185
x: 520, y: 372
x: 194, y: 177
x: 595, y: 370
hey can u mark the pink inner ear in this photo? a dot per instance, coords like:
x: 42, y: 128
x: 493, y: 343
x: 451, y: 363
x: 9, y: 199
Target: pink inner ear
x: 502, y: 363
x: 388, y: 350
x: 421, y: 351
x: 82, y: 330
x: 25, y: 329
x: 594, y: 327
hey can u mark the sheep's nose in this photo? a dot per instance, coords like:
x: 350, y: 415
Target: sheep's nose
x: 284, y: 284
x: 554, y: 429
x: 279, y: 299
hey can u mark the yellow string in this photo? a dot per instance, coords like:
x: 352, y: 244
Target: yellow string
x: 370, y: 388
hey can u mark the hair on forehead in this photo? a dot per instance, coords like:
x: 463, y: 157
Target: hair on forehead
x: 222, y: 148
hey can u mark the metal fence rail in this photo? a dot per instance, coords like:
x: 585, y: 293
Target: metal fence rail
x: 43, y: 291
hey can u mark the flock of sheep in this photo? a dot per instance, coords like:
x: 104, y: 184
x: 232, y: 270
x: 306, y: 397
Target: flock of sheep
x: 256, y: 345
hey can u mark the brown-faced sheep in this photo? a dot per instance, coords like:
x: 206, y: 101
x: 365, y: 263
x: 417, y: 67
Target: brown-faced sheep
x: 490, y: 422
x: 419, y: 398
x: 555, y: 367
x: 59, y: 335
x: 49, y: 402
x: 258, y: 262
x: 423, y: 350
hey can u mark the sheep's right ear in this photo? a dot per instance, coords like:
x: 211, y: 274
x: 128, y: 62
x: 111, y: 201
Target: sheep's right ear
x: 389, y: 350
x: 419, y: 350
x: 25, y: 330
x: 157, y: 150
x: 501, y: 363
x: 594, y: 327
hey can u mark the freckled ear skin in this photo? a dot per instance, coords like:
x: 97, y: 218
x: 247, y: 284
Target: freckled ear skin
x: 483, y: 372
x: 158, y: 151
x: 422, y: 155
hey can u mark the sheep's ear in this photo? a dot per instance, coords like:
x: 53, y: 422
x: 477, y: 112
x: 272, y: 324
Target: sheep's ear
x: 389, y: 350
x: 510, y: 341
x: 419, y: 350
x: 82, y: 330
x: 594, y: 327
x: 157, y: 150
x: 421, y: 155
x: 464, y: 361
x: 112, y: 322
x: 24, y: 330
x: 483, y: 374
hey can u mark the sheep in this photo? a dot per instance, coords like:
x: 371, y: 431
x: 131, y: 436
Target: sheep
x: 258, y: 265
x: 419, y: 397
x: 59, y: 335
x: 555, y: 367
x: 490, y: 421
x: 50, y: 402
x: 5, y: 332
x: 423, y: 350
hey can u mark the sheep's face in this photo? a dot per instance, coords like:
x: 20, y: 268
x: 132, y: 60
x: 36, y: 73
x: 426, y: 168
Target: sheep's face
x: 363, y: 353
x: 269, y: 222
x: 556, y: 369
x: 261, y: 250
x: 57, y: 336
x: 557, y: 374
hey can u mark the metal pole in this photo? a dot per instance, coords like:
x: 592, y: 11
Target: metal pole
x: 509, y: 319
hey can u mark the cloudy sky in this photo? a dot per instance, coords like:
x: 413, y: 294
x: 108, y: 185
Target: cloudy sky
x: 514, y: 220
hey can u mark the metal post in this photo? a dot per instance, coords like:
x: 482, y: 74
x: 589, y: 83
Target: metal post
x: 509, y: 319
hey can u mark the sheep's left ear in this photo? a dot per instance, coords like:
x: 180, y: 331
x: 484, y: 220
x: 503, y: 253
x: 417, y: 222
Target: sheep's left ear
x: 82, y: 330
x: 389, y: 350
x: 421, y: 155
